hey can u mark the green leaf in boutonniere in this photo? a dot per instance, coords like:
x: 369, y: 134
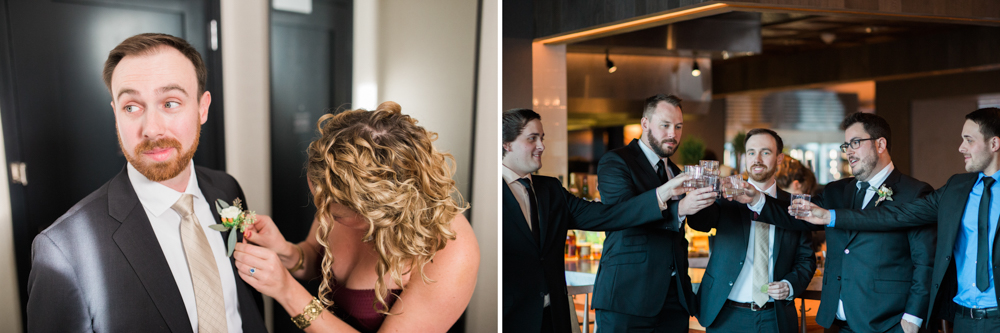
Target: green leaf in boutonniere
x: 232, y: 217
x: 884, y: 194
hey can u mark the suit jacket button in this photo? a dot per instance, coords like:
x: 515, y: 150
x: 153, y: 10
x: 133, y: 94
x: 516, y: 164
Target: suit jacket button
x: 935, y: 286
x: 730, y: 283
x: 741, y: 263
x: 947, y: 258
x: 838, y: 278
x: 846, y: 251
x: 671, y: 268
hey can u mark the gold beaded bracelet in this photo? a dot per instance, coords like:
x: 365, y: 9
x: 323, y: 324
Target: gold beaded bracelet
x: 310, y: 312
x: 302, y: 260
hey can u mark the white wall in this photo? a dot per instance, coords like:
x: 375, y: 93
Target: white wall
x: 426, y: 53
x: 245, y: 32
x: 10, y: 303
x: 483, y: 311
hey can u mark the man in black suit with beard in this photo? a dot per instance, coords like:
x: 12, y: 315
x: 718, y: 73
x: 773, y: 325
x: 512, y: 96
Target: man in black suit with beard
x: 137, y: 255
x: 756, y: 269
x: 874, y: 281
x: 642, y: 282
x: 966, y: 210
x: 537, y: 212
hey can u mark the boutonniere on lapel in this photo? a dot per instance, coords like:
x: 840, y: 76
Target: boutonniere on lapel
x: 233, y: 217
x: 884, y: 194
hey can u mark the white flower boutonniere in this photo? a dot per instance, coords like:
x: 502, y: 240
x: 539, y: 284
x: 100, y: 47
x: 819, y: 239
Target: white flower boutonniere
x: 884, y: 193
x: 233, y: 217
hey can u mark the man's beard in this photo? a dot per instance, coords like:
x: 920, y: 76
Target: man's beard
x: 975, y: 166
x: 763, y: 177
x: 866, y: 168
x: 657, y: 147
x: 161, y: 171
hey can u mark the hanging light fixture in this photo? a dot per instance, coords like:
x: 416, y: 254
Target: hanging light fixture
x: 695, y: 71
x: 608, y: 62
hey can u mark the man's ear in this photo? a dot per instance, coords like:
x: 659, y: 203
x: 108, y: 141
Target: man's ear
x: 644, y: 123
x: 203, y: 103
x: 882, y: 144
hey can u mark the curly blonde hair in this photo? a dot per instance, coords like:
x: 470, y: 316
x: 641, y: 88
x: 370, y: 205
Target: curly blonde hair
x: 383, y: 166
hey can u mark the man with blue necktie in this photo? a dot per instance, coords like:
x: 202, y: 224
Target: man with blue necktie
x: 967, y: 210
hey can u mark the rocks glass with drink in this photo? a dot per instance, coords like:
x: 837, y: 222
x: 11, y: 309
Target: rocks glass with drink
x: 800, y: 210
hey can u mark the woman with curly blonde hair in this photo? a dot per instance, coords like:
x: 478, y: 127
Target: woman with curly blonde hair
x: 389, y: 240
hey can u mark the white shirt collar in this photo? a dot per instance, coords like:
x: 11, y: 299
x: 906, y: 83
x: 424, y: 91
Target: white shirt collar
x: 158, y: 198
x: 878, y: 179
x: 651, y: 156
x: 510, y: 177
x: 771, y: 191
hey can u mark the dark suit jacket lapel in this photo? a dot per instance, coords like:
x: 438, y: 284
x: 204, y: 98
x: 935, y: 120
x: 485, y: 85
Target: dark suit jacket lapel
x: 648, y: 171
x: 518, y: 219
x: 954, y: 202
x: 849, y: 195
x: 548, y: 224
x: 246, y: 299
x: 136, y: 240
x: 779, y: 233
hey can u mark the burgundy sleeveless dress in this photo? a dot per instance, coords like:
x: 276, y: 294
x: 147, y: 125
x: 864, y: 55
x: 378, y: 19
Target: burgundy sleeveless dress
x: 355, y: 307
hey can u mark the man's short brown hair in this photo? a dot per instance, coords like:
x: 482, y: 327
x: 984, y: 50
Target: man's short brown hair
x: 146, y: 44
x: 514, y: 121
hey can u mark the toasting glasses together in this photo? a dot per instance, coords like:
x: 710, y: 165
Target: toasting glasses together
x: 706, y: 174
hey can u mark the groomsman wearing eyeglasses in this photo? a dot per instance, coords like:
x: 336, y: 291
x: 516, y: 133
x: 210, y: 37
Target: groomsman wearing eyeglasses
x: 873, y: 281
x: 966, y: 210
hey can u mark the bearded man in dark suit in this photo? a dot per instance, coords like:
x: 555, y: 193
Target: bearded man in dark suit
x: 756, y: 269
x: 537, y: 212
x: 137, y: 255
x: 966, y: 210
x: 874, y: 281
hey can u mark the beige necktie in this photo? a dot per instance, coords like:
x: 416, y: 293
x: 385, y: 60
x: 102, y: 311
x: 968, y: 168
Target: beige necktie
x: 204, y: 272
x: 761, y: 258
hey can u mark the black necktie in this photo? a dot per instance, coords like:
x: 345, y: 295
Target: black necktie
x: 859, y: 199
x: 534, y: 210
x: 983, y: 259
x: 661, y: 171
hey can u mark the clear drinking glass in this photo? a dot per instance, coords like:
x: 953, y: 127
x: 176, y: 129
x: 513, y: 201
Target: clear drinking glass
x: 713, y: 182
x: 710, y: 167
x: 799, y: 210
x: 734, y: 186
x: 694, y: 173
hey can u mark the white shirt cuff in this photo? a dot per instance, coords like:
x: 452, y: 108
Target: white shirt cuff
x: 791, y: 292
x: 661, y: 201
x: 759, y: 206
x: 913, y: 319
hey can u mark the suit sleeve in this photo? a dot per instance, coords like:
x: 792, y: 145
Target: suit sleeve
x: 922, y: 246
x: 915, y: 213
x: 804, y: 266
x: 637, y: 211
x: 706, y: 219
x: 615, y: 186
x: 776, y: 212
x: 55, y: 301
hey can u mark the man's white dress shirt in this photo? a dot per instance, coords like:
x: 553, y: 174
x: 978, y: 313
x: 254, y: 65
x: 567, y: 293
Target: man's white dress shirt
x: 156, y: 201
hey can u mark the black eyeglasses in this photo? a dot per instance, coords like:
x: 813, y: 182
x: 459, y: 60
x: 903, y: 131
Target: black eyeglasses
x: 854, y: 144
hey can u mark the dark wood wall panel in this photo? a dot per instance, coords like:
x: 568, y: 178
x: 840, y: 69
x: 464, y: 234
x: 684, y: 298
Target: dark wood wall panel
x: 894, y: 100
x: 963, y: 47
x: 553, y: 17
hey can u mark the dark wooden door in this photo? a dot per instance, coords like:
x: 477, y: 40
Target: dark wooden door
x: 55, y: 108
x: 311, y: 56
